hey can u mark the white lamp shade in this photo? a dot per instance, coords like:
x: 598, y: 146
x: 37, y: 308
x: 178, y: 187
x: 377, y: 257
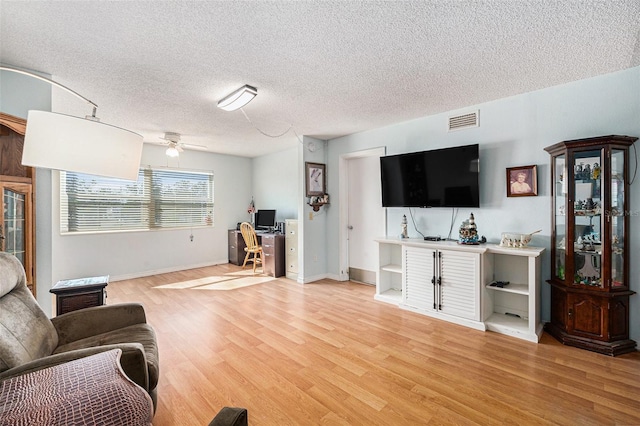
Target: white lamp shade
x: 238, y: 99
x: 63, y: 142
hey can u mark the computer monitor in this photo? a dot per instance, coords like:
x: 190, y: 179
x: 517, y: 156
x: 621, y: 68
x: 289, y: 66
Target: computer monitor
x: 265, y: 219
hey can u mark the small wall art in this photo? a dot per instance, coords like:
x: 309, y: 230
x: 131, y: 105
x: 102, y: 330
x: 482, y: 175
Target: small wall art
x: 316, y: 179
x: 522, y: 181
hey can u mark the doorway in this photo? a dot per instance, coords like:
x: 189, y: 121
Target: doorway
x: 362, y: 217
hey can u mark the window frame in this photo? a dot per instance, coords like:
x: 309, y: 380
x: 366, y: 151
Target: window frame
x: 160, y: 199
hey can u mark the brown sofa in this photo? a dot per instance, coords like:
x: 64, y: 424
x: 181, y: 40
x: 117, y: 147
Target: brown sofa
x: 30, y: 341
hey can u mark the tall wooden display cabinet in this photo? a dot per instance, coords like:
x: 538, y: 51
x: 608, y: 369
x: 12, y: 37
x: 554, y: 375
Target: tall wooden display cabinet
x: 17, y: 182
x: 590, y: 244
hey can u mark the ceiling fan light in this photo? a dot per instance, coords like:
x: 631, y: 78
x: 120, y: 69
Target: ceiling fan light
x: 238, y: 99
x: 172, y: 151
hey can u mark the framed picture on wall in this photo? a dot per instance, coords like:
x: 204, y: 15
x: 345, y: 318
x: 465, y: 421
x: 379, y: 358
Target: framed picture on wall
x: 522, y: 181
x: 316, y: 179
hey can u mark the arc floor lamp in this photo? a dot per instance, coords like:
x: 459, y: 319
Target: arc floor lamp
x: 84, y: 145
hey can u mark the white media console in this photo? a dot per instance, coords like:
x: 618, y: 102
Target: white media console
x: 452, y: 282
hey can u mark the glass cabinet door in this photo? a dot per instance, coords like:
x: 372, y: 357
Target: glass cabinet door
x: 587, y: 223
x: 560, y: 194
x: 616, y: 215
x: 15, y: 222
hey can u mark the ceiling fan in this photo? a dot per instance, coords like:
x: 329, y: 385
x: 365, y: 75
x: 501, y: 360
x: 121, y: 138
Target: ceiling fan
x: 175, y: 147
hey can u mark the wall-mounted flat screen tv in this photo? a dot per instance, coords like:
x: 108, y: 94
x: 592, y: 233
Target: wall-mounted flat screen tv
x: 448, y: 177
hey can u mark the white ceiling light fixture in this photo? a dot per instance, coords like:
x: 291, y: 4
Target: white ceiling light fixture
x: 83, y: 145
x: 238, y: 99
x: 174, y: 149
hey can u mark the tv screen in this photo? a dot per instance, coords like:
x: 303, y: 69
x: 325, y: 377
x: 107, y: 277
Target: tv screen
x: 447, y: 177
x: 265, y: 219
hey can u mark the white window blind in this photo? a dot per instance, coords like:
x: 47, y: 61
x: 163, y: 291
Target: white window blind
x: 158, y: 199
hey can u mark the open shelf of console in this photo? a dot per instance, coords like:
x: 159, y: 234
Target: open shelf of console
x: 515, y: 308
x: 389, y: 274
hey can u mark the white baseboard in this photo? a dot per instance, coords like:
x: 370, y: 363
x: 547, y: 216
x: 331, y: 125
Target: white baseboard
x: 164, y: 270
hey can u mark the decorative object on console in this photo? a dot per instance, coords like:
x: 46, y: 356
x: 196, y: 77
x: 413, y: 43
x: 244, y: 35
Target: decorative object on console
x: 522, y: 181
x: 403, y: 227
x: 517, y: 240
x: 468, y: 231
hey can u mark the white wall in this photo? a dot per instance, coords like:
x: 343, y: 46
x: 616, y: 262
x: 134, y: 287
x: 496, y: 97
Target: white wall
x: 275, y: 183
x: 513, y: 132
x: 132, y: 254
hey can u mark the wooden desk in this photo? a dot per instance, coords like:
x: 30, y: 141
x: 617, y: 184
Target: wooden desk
x: 272, y: 248
x: 87, y: 391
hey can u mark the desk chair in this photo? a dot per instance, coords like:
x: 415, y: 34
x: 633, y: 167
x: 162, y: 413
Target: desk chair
x: 251, y: 241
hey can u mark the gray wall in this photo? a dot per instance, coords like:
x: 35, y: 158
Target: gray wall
x: 275, y: 183
x: 513, y: 132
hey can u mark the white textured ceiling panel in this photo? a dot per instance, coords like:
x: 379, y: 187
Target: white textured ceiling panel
x: 327, y: 68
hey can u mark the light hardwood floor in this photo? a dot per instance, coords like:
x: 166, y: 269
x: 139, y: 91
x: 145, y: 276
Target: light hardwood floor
x: 327, y: 353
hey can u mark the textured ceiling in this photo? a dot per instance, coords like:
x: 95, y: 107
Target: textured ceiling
x: 327, y: 68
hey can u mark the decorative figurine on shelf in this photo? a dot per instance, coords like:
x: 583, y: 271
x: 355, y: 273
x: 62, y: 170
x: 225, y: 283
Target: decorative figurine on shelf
x: 589, y: 204
x: 595, y: 173
x: 468, y: 231
x: 403, y: 227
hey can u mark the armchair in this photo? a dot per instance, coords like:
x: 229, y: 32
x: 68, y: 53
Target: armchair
x: 30, y: 341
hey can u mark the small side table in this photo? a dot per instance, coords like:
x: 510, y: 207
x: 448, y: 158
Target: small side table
x: 80, y: 293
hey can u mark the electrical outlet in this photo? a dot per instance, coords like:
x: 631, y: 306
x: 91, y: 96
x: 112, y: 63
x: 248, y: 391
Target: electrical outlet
x: 191, y: 237
x: 315, y: 257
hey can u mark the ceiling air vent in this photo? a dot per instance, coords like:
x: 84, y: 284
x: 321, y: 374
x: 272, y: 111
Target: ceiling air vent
x: 464, y: 121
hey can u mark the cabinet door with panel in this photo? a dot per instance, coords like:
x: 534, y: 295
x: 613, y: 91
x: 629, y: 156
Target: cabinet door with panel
x: 442, y: 281
x: 419, y: 286
x: 598, y: 318
x: 459, y: 284
x: 587, y: 316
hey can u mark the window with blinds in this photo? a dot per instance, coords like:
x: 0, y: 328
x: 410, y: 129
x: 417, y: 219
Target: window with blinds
x: 158, y: 199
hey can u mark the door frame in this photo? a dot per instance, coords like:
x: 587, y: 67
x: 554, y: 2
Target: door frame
x: 343, y: 189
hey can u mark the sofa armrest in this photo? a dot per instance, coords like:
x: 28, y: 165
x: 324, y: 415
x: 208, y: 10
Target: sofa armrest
x: 133, y: 362
x: 96, y: 320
